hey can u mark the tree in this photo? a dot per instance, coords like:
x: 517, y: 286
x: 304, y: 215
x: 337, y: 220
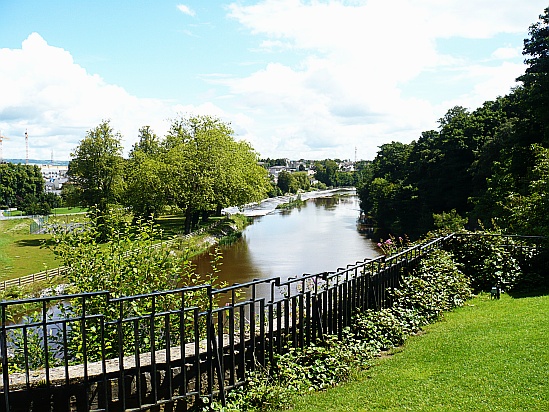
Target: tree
x: 144, y: 175
x: 207, y: 169
x: 303, y: 180
x: 391, y: 161
x: 240, y: 179
x: 96, y: 173
x: 18, y: 183
x: 326, y: 172
x: 96, y: 167
x: 287, y: 182
x: 529, y: 214
x: 536, y: 77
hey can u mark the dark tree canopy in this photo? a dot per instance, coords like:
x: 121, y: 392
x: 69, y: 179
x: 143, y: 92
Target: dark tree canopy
x: 21, y: 185
x: 489, y: 165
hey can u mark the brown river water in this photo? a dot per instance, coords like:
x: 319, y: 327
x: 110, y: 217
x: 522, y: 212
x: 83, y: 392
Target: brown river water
x: 319, y: 236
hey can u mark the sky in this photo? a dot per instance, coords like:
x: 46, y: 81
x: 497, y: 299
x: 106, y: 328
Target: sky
x: 297, y: 79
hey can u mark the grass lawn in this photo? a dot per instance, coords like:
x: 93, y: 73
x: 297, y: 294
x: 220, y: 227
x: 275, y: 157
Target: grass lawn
x: 490, y: 355
x: 68, y: 210
x: 20, y: 252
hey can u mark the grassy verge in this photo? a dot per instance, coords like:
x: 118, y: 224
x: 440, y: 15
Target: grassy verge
x: 68, y: 210
x: 489, y: 355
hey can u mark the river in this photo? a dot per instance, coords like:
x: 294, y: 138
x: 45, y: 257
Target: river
x: 319, y: 236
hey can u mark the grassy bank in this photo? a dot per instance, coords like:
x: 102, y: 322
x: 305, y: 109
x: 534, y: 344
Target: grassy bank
x: 487, y: 356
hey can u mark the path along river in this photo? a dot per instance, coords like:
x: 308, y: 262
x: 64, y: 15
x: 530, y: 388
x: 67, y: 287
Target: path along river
x: 319, y: 236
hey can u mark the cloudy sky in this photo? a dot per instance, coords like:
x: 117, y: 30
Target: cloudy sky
x: 309, y: 79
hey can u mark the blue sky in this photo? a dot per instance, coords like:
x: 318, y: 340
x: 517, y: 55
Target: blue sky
x: 295, y: 78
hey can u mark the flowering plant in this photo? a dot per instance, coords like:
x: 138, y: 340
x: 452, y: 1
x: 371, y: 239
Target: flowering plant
x: 392, y: 245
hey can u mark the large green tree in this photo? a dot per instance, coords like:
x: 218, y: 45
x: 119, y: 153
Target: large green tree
x: 241, y: 179
x: 19, y: 184
x: 207, y: 169
x: 96, y: 167
x: 144, y: 176
x: 536, y: 77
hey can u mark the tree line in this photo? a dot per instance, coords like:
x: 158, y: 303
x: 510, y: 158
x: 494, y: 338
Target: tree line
x: 198, y: 168
x: 489, y: 166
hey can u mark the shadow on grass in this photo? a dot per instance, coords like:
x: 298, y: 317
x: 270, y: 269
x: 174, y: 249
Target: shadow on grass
x: 532, y: 292
x: 30, y: 242
x: 171, y: 225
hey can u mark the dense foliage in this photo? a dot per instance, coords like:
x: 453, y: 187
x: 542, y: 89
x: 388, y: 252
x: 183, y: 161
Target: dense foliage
x: 22, y: 187
x: 486, y: 164
x: 131, y: 263
x: 436, y: 286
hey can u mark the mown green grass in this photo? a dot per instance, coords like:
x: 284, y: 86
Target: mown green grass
x: 68, y: 210
x: 20, y: 252
x: 490, y: 355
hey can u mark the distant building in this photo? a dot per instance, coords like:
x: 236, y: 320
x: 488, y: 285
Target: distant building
x: 54, y: 177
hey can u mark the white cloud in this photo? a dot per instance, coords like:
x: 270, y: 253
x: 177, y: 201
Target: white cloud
x: 57, y: 101
x: 185, y: 10
x: 335, y: 75
x: 361, y: 55
x: 506, y: 53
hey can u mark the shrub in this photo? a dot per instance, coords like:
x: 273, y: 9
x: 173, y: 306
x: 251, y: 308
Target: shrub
x: 437, y: 285
x: 381, y: 330
x: 490, y: 258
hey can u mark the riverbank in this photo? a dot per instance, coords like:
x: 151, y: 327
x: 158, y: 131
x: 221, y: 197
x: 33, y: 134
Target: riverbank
x: 222, y: 230
x: 22, y: 253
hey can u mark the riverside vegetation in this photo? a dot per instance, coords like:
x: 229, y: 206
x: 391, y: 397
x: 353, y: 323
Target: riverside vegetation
x: 134, y: 261
x: 489, y: 164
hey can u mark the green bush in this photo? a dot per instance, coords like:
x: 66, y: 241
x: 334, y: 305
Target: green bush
x: 489, y: 259
x: 437, y: 285
x: 381, y: 330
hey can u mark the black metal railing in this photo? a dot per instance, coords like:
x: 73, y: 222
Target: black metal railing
x: 97, y: 352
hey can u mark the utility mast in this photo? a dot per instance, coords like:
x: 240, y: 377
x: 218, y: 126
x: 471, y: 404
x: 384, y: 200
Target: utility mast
x: 355, y: 154
x: 2, y: 138
x: 27, y: 147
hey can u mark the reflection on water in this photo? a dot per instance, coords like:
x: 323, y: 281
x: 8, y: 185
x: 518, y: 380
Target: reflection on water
x: 320, y: 236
